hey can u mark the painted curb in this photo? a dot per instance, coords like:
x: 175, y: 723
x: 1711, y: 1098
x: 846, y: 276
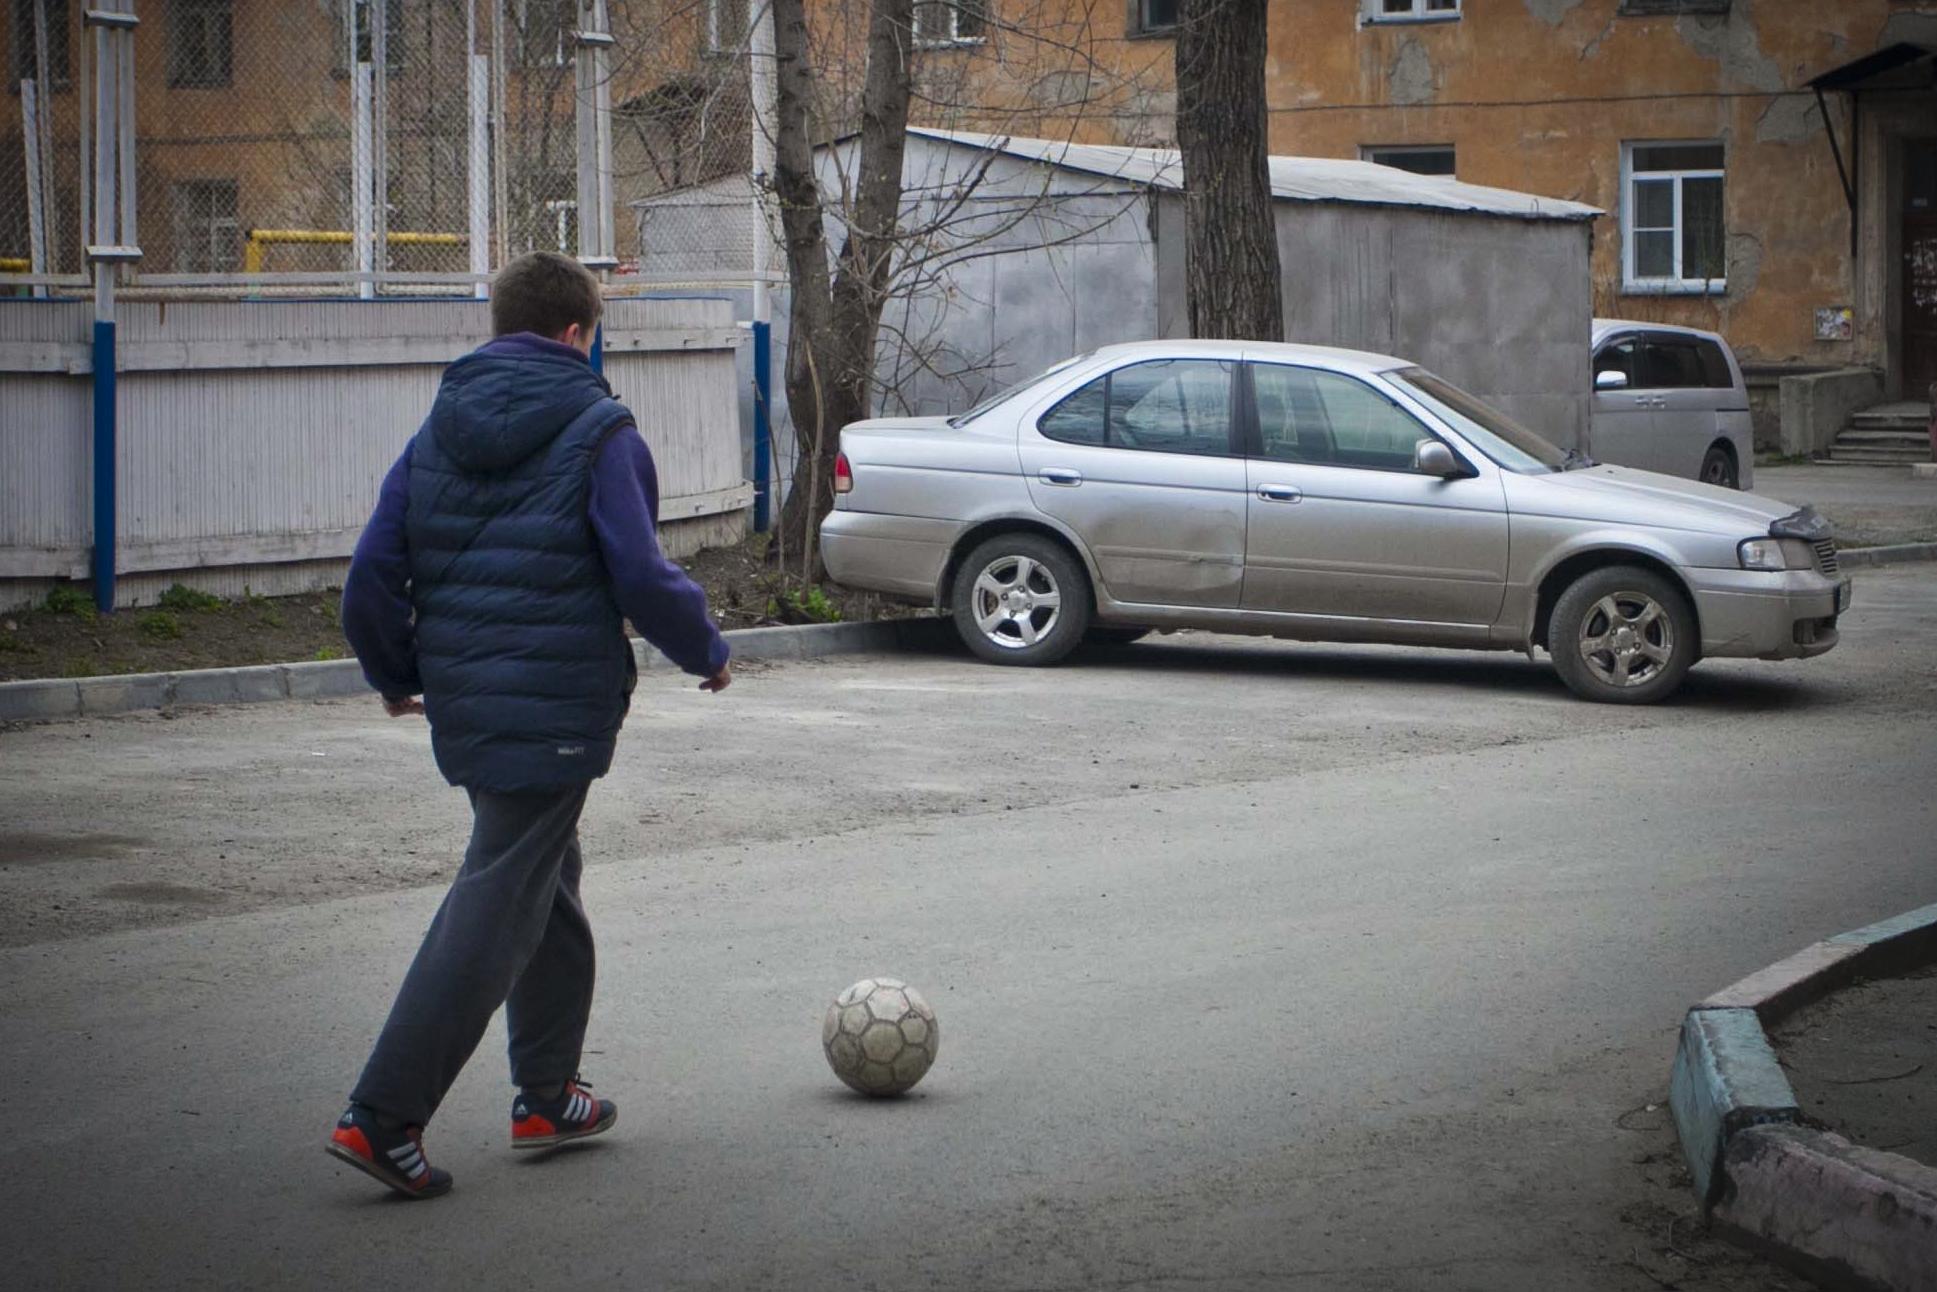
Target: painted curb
x: 1892, y: 554
x: 1725, y: 1080
x: 90, y: 697
x: 1801, y: 1192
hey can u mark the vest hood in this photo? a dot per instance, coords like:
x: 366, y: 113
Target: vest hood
x: 509, y: 399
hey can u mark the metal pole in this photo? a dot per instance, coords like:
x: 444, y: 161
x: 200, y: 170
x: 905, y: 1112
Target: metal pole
x: 478, y: 171
x: 42, y: 138
x: 107, y: 116
x: 363, y: 219
x: 500, y: 195
x: 764, y: 84
x: 36, y: 195
x: 602, y: 119
x: 125, y: 135
x: 380, y: 128
x: 594, y: 151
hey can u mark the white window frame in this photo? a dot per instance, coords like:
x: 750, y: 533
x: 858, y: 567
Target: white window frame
x: 1375, y: 11
x: 952, y: 10
x: 1675, y: 284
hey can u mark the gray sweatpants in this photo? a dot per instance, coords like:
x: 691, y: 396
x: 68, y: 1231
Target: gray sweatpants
x: 511, y: 932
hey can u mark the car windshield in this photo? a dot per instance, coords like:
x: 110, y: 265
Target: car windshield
x: 1005, y: 395
x: 1489, y: 430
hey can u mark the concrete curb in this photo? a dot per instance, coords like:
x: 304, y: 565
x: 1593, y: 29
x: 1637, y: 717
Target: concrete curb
x: 90, y: 697
x: 1893, y: 554
x: 1808, y: 1195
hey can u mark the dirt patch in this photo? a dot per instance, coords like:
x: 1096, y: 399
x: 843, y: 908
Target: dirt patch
x: 1863, y: 1062
x: 40, y: 849
x: 64, y: 637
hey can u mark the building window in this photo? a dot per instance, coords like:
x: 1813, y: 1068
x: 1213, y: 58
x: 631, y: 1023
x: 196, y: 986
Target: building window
x: 1673, y: 8
x: 365, y: 37
x: 25, y: 42
x: 1420, y: 159
x: 201, y: 44
x: 950, y: 22
x: 726, y: 26
x: 1411, y: 10
x: 1674, y: 237
x: 207, y: 233
x: 1152, y: 17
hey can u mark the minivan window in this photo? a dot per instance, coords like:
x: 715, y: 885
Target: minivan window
x: 1670, y: 365
x: 1489, y: 430
x: 1162, y: 406
x: 1715, y: 365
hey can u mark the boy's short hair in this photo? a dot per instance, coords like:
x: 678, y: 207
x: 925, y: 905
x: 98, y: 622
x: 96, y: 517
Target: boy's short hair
x: 544, y: 292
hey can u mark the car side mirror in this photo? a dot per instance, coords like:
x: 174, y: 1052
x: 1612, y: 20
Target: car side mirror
x: 1435, y: 459
x: 1610, y: 379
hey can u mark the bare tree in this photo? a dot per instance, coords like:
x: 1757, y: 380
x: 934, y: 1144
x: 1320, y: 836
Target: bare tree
x: 1231, y: 271
x: 836, y: 316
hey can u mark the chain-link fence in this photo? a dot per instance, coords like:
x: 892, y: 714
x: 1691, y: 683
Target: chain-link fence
x: 389, y: 146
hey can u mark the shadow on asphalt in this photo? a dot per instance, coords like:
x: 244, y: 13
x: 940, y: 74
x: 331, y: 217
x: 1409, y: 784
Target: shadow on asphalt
x: 1503, y: 673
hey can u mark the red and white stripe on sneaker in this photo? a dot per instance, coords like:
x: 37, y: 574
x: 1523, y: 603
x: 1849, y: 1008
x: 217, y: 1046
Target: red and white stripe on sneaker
x: 394, y: 1157
x: 575, y: 1114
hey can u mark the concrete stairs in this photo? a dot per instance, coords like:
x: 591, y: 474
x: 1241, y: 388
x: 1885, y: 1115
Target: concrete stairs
x: 1887, y: 435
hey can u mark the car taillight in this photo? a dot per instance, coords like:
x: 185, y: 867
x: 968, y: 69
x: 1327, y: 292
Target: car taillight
x: 843, y: 474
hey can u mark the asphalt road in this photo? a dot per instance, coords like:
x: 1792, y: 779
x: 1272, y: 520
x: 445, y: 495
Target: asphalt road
x: 1258, y: 966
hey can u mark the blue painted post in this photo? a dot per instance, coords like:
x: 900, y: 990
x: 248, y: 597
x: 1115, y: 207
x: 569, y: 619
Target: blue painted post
x: 598, y: 350
x: 762, y: 426
x: 104, y: 463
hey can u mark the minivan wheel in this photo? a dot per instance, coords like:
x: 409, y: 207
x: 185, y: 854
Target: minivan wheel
x: 1021, y: 599
x: 1718, y: 468
x: 1622, y: 635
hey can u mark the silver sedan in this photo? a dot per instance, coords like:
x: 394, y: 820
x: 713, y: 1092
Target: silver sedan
x: 1318, y: 494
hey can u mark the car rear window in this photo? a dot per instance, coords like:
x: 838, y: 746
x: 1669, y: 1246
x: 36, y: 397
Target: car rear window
x: 1668, y: 365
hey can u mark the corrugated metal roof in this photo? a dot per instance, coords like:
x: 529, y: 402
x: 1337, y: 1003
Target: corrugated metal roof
x: 1293, y: 179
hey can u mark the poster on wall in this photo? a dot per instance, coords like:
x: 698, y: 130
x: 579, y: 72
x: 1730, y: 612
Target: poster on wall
x: 1834, y: 323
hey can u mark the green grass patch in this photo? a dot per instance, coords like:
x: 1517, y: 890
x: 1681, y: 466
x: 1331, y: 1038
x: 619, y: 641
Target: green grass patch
x: 161, y: 625
x: 179, y: 597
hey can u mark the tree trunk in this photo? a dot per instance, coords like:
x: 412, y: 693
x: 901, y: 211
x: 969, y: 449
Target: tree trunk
x: 835, y: 317
x: 1233, y: 282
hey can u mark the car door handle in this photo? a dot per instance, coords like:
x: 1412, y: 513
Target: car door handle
x: 1060, y: 476
x: 1279, y: 493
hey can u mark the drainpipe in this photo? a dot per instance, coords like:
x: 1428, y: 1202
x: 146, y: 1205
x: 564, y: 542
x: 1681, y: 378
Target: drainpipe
x: 761, y: 74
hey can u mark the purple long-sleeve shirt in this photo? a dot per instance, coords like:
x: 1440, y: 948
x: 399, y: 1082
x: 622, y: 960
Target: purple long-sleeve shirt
x: 660, y: 599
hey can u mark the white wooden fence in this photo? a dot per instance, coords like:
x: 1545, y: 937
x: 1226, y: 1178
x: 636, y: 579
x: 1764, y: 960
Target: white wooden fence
x: 253, y: 435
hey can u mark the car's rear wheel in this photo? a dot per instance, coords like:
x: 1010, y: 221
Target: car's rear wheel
x: 1021, y: 599
x: 1622, y: 635
x: 1718, y: 468
x: 1102, y: 635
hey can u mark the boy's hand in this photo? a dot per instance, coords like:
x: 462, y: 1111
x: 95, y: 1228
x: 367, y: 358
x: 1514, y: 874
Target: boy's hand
x: 719, y: 681
x: 402, y: 708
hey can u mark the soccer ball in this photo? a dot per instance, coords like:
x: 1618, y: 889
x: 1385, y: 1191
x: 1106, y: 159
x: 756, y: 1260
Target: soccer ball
x: 880, y: 1036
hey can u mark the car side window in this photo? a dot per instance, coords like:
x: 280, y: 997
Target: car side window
x: 1161, y: 406
x: 1670, y: 365
x: 1715, y: 365
x: 1322, y: 418
x: 1617, y: 357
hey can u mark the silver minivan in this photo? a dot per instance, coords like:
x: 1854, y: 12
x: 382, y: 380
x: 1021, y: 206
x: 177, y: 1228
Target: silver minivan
x: 1326, y: 495
x: 1671, y: 399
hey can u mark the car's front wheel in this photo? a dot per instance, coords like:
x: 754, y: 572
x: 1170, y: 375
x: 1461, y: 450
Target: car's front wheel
x: 1021, y: 599
x: 1622, y: 635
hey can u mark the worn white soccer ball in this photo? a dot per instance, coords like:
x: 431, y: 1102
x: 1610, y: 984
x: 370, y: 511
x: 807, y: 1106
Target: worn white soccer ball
x: 880, y: 1036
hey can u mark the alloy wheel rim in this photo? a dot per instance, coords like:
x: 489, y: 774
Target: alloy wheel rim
x: 1627, y: 639
x: 1016, y: 602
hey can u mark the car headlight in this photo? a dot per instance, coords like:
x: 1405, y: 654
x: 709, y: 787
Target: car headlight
x: 1775, y: 554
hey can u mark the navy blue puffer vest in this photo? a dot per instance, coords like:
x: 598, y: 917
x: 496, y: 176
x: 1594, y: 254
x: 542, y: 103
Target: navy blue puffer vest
x: 527, y: 672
